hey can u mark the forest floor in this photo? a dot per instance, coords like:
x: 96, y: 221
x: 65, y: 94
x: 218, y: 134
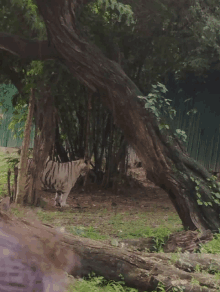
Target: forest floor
x: 133, y: 210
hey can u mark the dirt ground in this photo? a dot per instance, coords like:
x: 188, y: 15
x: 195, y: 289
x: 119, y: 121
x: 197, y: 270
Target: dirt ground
x: 140, y: 195
x: 131, y: 199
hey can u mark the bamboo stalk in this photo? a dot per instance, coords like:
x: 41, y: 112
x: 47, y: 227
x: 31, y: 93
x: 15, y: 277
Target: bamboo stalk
x: 217, y: 150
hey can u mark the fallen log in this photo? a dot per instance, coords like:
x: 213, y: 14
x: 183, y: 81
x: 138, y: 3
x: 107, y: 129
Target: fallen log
x: 51, y: 253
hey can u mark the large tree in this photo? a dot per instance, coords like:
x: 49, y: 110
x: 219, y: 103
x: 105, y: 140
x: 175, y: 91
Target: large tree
x: 167, y: 164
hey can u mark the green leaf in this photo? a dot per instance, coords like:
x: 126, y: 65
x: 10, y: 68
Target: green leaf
x: 114, y: 242
x: 216, y: 194
x: 199, y: 202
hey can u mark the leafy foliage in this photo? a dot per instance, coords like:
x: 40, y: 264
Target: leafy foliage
x: 21, y: 17
x: 150, y: 40
x: 122, y: 9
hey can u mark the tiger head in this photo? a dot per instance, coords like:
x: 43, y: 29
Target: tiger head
x: 83, y: 166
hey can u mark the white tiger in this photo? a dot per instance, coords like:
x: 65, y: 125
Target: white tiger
x: 61, y: 177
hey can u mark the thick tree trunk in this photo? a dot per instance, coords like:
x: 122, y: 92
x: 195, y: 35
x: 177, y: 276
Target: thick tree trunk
x: 22, y: 169
x: 44, y: 138
x: 166, y: 163
x: 51, y: 252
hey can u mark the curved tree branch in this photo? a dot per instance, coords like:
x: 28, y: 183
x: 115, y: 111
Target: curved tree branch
x: 27, y: 49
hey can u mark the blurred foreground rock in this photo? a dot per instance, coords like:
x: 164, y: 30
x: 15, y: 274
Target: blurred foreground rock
x: 32, y: 259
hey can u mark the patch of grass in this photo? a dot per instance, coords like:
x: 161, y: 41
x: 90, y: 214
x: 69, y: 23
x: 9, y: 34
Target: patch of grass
x: 47, y: 217
x: 68, y: 220
x: 217, y: 276
x: 211, y: 246
x: 100, y: 227
x: 128, y: 228
x: 98, y: 284
x: 175, y: 257
x: 3, y: 173
x: 4, y: 166
x: 88, y: 232
x: 18, y: 212
x: 56, y: 217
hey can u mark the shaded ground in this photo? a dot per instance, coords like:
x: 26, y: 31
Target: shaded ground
x: 140, y: 195
x: 136, y: 202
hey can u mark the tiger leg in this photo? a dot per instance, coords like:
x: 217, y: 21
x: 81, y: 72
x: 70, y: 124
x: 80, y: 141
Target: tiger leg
x: 63, y: 199
x: 58, y: 198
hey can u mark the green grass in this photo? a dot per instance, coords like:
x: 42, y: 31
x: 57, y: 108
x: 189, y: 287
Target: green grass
x: 18, y: 213
x: 128, y: 228
x: 212, y: 246
x: 99, y: 284
x: 4, y: 166
x: 99, y: 227
x: 3, y: 173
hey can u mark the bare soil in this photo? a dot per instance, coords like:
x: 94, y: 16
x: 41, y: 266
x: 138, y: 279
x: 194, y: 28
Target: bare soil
x: 140, y: 195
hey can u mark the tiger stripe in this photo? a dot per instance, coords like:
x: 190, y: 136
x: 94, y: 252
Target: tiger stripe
x: 60, y: 177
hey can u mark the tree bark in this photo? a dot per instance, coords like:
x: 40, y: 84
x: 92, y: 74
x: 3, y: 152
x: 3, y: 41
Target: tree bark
x: 28, y: 50
x: 9, y: 182
x: 50, y: 251
x: 44, y: 138
x: 166, y: 163
x: 22, y: 169
x: 15, y: 183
